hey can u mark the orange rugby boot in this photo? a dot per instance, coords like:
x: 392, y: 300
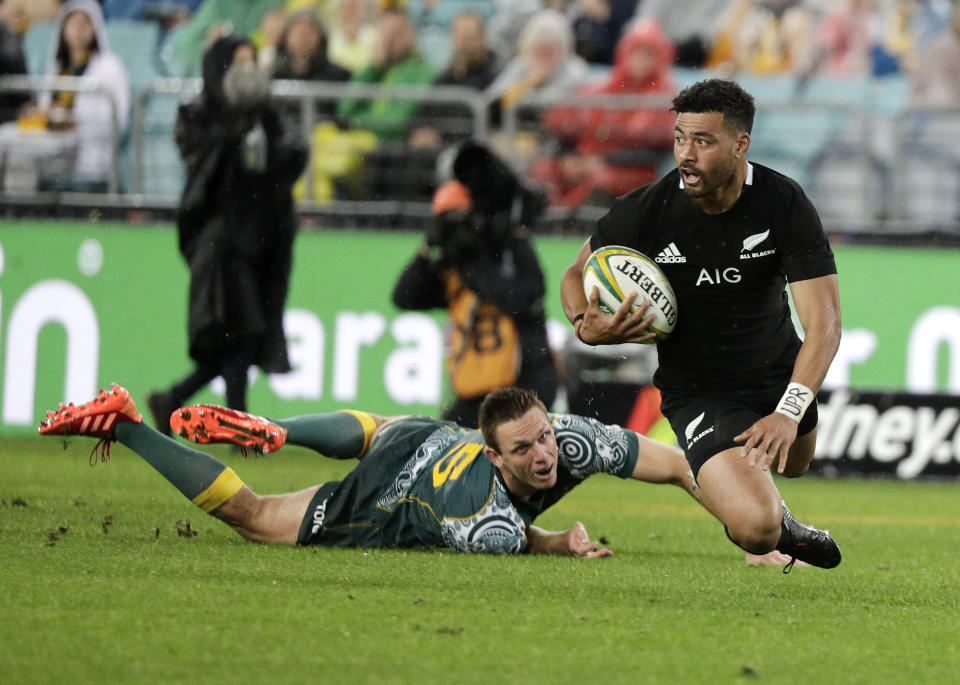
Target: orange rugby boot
x: 96, y: 419
x: 209, y: 423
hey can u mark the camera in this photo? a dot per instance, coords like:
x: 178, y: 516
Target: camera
x: 458, y: 233
x: 500, y: 199
x: 246, y: 86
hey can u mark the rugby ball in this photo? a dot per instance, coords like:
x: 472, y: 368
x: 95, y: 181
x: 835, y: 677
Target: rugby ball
x: 617, y: 271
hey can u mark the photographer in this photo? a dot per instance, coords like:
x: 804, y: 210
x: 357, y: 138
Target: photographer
x: 478, y: 262
x: 236, y: 225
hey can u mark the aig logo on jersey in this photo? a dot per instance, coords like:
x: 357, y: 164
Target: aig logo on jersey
x: 718, y: 276
x: 751, y: 242
x: 670, y: 255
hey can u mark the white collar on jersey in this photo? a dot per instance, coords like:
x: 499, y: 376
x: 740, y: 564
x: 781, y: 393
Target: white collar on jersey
x: 748, y: 182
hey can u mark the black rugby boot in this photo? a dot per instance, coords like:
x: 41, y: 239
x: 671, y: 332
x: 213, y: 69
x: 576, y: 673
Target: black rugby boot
x: 806, y: 543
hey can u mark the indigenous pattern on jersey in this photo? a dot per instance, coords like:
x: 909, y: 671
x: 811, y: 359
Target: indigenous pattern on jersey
x: 729, y: 272
x: 428, y: 483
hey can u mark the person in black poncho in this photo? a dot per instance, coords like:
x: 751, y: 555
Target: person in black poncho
x: 236, y: 226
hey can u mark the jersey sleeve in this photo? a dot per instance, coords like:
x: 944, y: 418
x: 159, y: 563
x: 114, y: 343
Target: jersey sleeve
x: 587, y: 446
x: 615, y: 227
x: 806, y: 251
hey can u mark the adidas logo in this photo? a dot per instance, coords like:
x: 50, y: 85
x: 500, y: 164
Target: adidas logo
x: 670, y: 255
x: 98, y: 422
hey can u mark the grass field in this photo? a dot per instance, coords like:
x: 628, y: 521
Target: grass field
x: 99, y: 586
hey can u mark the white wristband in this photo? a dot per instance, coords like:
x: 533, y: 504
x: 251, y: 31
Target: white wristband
x: 795, y: 401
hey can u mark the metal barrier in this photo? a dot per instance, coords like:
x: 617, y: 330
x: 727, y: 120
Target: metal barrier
x: 76, y: 84
x: 926, y: 164
x: 788, y: 136
x: 860, y: 169
x: 307, y: 94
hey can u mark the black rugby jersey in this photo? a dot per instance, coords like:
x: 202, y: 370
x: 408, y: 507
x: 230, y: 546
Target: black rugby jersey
x: 729, y: 271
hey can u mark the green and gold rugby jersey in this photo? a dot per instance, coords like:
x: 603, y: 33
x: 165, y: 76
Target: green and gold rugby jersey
x: 446, y: 493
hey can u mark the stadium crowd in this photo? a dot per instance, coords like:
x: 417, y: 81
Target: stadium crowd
x: 539, y: 56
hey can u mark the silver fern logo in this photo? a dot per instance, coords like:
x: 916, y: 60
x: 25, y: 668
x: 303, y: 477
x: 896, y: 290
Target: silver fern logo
x: 692, y: 426
x: 754, y: 240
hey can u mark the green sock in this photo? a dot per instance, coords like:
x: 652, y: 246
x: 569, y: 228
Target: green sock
x: 205, y: 481
x: 340, y: 435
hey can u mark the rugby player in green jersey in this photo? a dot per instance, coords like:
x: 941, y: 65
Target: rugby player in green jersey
x: 419, y: 483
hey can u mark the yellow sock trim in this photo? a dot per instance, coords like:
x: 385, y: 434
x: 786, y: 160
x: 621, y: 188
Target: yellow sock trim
x: 367, y: 422
x: 223, y: 488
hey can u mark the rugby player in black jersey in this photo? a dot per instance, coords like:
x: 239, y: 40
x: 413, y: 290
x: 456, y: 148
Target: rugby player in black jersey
x: 738, y: 385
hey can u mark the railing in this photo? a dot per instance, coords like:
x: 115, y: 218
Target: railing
x: 308, y: 94
x: 925, y: 162
x: 859, y: 168
x: 76, y: 84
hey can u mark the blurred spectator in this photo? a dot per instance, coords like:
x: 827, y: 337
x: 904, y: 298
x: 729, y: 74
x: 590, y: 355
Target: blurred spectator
x: 545, y: 65
x: 472, y: 66
x: 236, y: 226
x: 478, y: 262
x: 936, y: 78
x: 396, y: 61
x: 12, y: 63
x: 506, y: 24
x: 302, y: 51
x: 216, y: 18
x: 862, y: 37
x: 896, y: 49
x: 613, y: 151
x: 764, y: 37
x: 845, y: 38
x: 19, y: 14
x: 80, y: 49
x: 302, y: 56
x: 692, y: 32
x: 353, y: 35
x: 597, y: 27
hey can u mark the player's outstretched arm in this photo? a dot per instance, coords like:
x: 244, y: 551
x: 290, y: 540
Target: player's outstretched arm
x: 574, y: 542
x: 660, y: 463
x: 595, y: 327
x: 817, y: 301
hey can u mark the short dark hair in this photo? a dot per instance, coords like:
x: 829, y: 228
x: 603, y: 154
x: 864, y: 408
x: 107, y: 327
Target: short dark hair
x: 502, y: 405
x: 717, y: 95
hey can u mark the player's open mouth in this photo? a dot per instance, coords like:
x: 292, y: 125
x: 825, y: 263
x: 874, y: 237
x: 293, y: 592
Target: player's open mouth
x: 544, y: 473
x: 690, y: 178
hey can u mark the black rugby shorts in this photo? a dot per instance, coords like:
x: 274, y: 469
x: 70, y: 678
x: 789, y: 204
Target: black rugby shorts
x: 705, y: 425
